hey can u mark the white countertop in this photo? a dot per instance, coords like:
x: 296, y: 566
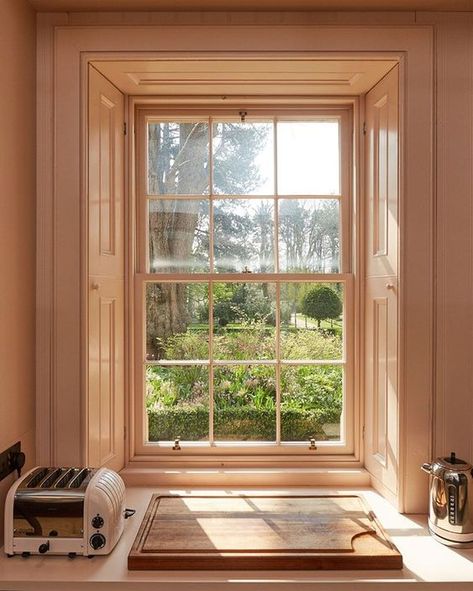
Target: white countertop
x: 427, y: 564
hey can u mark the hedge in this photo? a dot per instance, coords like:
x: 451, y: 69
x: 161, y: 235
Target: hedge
x: 191, y: 424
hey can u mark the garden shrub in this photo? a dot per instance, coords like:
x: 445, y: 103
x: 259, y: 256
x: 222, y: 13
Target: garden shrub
x: 255, y: 341
x: 241, y: 423
x: 189, y: 423
x: 322, y: 303
x: 310, y: 344
x: 171, y: 386
x: 187, y: 345
x: 319, y: 388
x: 245, y: 395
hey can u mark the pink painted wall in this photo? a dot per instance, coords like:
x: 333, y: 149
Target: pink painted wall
x: 453, y: 428
x: 17, y: 230
x: 453, y: 239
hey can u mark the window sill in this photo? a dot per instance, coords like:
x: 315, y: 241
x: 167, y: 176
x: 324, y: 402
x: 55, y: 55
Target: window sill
x: 428, y: 564
x: 242, y: 477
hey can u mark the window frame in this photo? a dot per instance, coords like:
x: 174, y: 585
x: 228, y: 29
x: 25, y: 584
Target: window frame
x: 348, y: 448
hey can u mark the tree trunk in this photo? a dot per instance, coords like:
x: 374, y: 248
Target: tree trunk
x: 166, y: 315
x: 175, y: 167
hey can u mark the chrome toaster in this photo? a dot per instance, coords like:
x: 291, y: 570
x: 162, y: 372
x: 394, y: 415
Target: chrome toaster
x: 65, y: 511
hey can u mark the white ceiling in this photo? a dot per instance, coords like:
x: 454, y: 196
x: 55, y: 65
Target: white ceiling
x: 299, y: 76
x: 251, y: 5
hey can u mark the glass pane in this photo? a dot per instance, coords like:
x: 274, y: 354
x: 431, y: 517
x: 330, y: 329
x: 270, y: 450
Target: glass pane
x: 245, y: 403
x: 311, y: 402
x: 177, y: 321
x: 178, y: 158
x: 244, y: 321
x: 178, y: 236
x: 243, y: 158
x: 177, y: 402
x: 244, y: 235
x: 309, y: 235
x: 308, y: 158
x: 311, y: 321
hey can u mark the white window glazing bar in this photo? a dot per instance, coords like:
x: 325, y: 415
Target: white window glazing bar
x: 243, y: 277
x: 210, y: 284
x: 278, y: 286
x: 204, y: 196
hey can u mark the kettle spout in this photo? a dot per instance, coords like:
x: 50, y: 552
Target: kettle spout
x: 427, y: 468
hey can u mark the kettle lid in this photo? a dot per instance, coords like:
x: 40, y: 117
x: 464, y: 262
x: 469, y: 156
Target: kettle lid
x: 451, y: 462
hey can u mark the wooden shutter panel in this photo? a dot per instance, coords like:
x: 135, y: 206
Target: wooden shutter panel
x: 381, y: 285
x: 105, y: 393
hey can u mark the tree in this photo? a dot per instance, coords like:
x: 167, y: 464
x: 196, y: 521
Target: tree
x: 322, y: 303
x: 293, y: 234
x: 231, y: 226
x: 178, y: 229
x: 309, y: 235
x: 263, y: 229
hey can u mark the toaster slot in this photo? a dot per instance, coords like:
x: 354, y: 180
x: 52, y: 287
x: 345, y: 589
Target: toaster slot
x: 65, y: 478
x: 51, y: 478
x: 79, y: 479
x: 36, y: 477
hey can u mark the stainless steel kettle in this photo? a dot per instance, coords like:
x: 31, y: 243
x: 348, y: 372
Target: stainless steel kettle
x: 451, y: 501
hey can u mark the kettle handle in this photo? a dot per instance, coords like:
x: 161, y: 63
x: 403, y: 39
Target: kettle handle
x: 427, y: 468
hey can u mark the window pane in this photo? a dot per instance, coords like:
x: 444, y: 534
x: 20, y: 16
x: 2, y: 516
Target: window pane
x: 244, y: 235
x: 309, y: 235
x: 311, y: 402
x: 311, y: 321
x: 308, y: 158
x: 245, y: 403
x: 178, y: 236
x: 178, y: 158
x: 243, y: 158
x: 177, y: 321
x: 244, y: 321
x: 177, y: 402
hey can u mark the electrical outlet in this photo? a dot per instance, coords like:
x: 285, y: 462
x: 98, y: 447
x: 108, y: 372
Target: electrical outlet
x: 7, y: 465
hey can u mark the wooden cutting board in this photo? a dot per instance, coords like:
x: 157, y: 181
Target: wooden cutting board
x: 253, y: 532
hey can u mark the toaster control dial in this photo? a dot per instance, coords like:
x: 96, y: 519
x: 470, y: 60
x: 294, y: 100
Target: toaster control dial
x: 97, y: 522
x: 97, y: 541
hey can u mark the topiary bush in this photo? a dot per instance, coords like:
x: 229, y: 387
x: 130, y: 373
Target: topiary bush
x: 322, y: 303
x: 238, y: 423
x: 189, y: 423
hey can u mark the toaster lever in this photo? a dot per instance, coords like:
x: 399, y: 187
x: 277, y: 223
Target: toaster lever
x: 129, y: 513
